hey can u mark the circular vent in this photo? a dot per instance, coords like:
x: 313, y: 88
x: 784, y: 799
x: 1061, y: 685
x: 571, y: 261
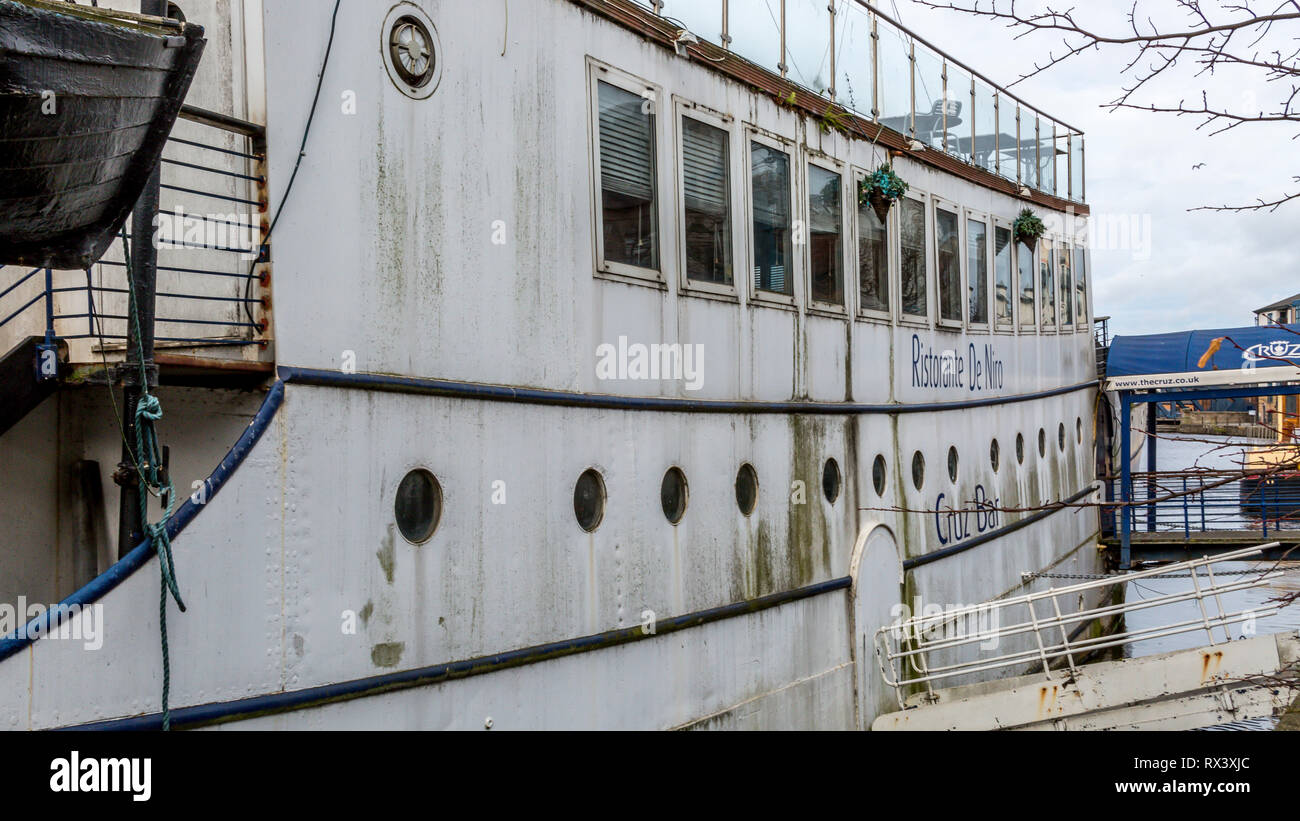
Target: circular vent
x: 411, y: 51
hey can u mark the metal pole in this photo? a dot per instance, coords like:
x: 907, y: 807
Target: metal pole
x: 139, y: 342
x: 1126, y: 478
x: 1151, y: 465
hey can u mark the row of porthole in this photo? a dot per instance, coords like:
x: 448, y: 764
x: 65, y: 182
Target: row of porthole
x: 418, y: 506
x: 879, y: 467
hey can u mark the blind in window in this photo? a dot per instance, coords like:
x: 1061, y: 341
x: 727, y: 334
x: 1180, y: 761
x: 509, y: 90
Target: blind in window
x: 704, y: 167
x: 626, y: 144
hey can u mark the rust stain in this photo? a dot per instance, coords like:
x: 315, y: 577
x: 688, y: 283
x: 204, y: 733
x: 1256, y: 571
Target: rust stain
x: 1206, y: 658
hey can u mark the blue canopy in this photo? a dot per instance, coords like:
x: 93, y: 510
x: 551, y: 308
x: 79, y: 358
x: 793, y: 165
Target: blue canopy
x: 1235, y: 356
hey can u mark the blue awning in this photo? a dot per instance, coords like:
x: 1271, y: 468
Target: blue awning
x: 1232, y: 356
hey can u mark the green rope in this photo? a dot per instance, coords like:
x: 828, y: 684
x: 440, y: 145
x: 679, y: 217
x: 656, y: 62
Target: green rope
x: 148, y: 466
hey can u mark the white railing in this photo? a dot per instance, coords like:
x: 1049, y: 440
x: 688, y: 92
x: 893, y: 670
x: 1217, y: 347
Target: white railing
x: 852, y: 53
x: 1040, y: 630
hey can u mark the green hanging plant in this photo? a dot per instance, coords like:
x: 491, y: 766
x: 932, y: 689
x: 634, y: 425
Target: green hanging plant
x: 1028, y: 228
x: 881, y: 189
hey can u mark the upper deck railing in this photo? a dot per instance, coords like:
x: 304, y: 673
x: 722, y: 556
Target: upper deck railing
x: 850, y: 52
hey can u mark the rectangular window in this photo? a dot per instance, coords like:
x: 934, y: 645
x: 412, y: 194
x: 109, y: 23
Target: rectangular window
x: 977, y: 267
x: 629, y: 223
x: 1046, y: 284
x: 911, y: 233
x: 1066, y: 284
x: 947, y: 257
x: 1080, y: 287
x: 1025, y: 268
x: 873, y: 260
x: 770, y: 178
x: 825, y: 250
x: 707, y: 208
x: 1002, y: 276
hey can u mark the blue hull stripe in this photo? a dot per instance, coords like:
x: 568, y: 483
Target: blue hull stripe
x: 540, y: 396
x: 246, y: 708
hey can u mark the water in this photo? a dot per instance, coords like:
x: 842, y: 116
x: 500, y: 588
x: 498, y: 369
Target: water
x: 1178, y: 453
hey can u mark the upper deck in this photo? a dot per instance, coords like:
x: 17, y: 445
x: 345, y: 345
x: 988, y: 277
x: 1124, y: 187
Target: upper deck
x: 872, y: 71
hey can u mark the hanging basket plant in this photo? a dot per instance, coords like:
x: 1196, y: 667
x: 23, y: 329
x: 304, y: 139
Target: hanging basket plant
x: 1028, y: 228
x: 881, y: 189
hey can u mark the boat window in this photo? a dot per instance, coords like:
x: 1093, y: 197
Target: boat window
x: 1080, y: 287
x: 831, y: 480
x: 629, y: 222
x: 1042, y: 442
x: 1025, y: 269
x: 746, y: 488
x: 1020, y: 448
x: 918, y: 470
x: 977, y: 267
x: 1002, y: 276
x: 825, y: 249
x: 770, y: 178
x: 952, y: 463
x: 1078, y: 429
x: 878, y: 475
x: 706, y: 190
x: 947, y: 248
x: 995, y: 455
x: 1065, y: 283
x: 1060, y: 437
x: 418, y: 506
x: 873, y: 260
x: 589, y: 499
x: 1047, y: 289
x: 911, y: 229
x: 672, y: 494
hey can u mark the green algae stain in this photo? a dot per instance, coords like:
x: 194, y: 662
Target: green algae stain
x: 387, y: 654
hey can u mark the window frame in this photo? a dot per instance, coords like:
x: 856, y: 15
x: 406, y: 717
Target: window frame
x: 937, y: 202
x: 1063, y: 243
x: 1084, y: 322
x: 771, y: 299
x: 968, y: 215
x: 682, y: 109
x: 916, y: 320
x: 812, y: 305
x: 1033, y: 326
x: 1013, y: 295
x: 892, y: 261
x: 1048, y: 240
x: 598, y: 72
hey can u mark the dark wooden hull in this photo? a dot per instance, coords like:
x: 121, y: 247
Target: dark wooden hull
x: 69, y: 179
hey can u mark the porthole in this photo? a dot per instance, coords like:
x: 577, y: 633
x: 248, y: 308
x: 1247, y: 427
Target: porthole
x: 589, y: 500
x: 995, y: 455
x: 952, y: 463
x: 1020, y: 448
x: 418, y: 506
x: 412, y: 53
x: 1042, y: 442
x: 918, y: 470
x: 1078, y: 429
x: 831, y: 480
x: 878, y: 475
x: 672, y: 494
x: 746, y: 488
x: 1060, y: 437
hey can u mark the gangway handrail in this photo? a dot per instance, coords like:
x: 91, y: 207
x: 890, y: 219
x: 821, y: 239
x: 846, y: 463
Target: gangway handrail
x: 906, y: 641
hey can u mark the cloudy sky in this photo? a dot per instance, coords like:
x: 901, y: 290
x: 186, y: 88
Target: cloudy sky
x: 1201, y: 269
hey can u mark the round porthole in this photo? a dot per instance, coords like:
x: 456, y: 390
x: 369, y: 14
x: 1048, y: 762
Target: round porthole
x: 746, y: 488
x: 589, y: 500
x: 831, y: 480
x: 1078, y: 429
x: 1020, y: 448
x: 418, y: 506
x: 952, y: 463
x: 1060, y: 436
x: 918, y: 470
x: 878, y: 475
x: 412, y: 53
x: 1042, y: 442
x: 995, y: 455
x: 672, y: 494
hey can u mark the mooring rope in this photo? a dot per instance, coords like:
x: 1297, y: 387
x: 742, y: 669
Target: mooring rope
x: 153, y: 481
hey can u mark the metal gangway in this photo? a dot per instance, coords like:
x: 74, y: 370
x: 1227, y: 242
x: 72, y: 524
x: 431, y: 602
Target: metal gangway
x: 944, y: 667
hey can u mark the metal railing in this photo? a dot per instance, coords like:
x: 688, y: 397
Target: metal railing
x: 212, y: 263
x: 924, y: 650
x: 1206, y: 501
x: 853, y: 54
